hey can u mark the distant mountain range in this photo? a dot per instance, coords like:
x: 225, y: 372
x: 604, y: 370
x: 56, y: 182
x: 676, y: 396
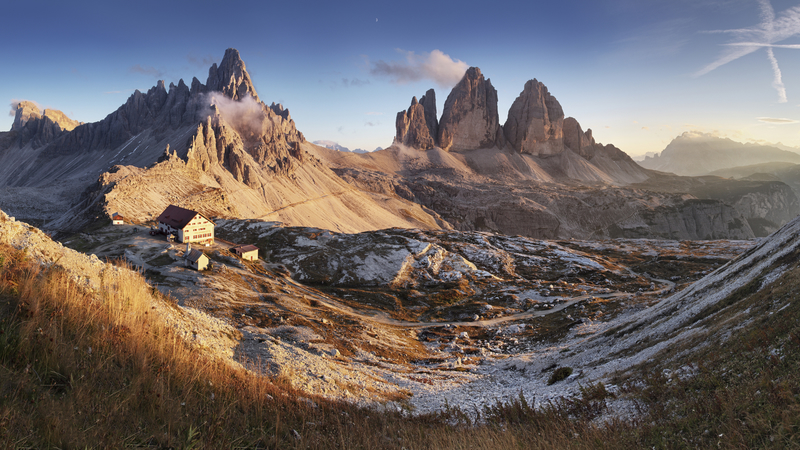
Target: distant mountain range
x: 217, y: 148
x: 335, y: 146
x: 695, y: 153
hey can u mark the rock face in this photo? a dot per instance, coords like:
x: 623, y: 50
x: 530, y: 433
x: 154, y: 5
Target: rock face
x: 39, y: 128
x: 578, y: 141
x: 535, y: 122
x: 428, y: 101
x: 231, y: 77
x: 26, y: 111
x: 418, y: 126
x: 412, y: 127
x: 693, y: 219
x: 276, y: 151
x: 470, y: 119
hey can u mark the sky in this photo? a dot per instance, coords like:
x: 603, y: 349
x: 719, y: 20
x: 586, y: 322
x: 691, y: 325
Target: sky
x: 637, y: 72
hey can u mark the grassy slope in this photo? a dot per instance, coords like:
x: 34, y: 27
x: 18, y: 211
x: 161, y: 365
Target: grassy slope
x: 100, y: 371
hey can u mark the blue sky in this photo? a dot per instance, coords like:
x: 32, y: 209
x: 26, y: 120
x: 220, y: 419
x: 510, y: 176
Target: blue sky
x: 637, y: 72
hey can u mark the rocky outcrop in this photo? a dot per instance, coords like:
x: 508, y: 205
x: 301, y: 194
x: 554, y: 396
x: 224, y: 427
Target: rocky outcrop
x: 693, y: 219
x: 470, y: 119
x: 25, y: 112
x: 39, y: 128
x: 535, y: 122
x: 428, y: 102
x: 412, y: 127
x: 576, y: 140
x: 231, y: 77
x: 766, y: 205
x: 275, y: 152
x: 418, y: 126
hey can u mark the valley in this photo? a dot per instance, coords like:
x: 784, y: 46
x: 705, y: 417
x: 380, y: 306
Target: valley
x: 411, y: 318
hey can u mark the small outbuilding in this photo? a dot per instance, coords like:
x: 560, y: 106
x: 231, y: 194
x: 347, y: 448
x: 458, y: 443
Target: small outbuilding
x: 196, y: 259
x: 116, y: 219
x: 246, y: 252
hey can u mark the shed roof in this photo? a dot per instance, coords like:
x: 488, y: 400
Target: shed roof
x: 117, y: 217
x: 245, y: 248
x: 194, y: 255
x: 178, y: 217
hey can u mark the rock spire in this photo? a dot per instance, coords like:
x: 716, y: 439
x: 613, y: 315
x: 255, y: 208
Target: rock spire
x: 231, y: 77
x: 535, y: 121
x: 470, y: 119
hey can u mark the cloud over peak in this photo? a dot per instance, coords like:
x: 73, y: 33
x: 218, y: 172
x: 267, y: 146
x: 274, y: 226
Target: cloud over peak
x: 15, y: 103
x: 435, y: 66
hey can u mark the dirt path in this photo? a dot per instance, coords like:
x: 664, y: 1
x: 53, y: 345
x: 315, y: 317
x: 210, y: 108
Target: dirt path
x: 292, y: 205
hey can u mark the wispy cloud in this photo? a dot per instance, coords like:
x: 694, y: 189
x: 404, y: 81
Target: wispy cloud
x: 146, y: 70
x: 202, y: 62
x: 435, y: 66
x: 355, y: 82
x: 777, y: 121
x: 765, y: 35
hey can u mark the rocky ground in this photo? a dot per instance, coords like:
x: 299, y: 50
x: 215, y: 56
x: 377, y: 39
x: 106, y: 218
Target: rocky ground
x: 408, y: 318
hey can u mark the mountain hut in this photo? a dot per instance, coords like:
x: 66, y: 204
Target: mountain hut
x: 186, y: 225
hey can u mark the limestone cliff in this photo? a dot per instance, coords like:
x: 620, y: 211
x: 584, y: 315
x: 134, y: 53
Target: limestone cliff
x: 231, y: 77
x: 413, y: 128
x: 470, y: 119
x: 535, y: 121
x: 693, y: 219
x: 39, y: 128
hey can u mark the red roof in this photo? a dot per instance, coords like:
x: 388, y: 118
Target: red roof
x: 245, y: 248
x: 117, y: 217
x: 178, y: 217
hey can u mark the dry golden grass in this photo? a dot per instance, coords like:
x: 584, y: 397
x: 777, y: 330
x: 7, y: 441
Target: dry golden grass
x: 103, y: 370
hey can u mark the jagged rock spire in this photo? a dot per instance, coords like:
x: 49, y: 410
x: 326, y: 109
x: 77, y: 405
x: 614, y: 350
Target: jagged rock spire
x: 414, y: 128
x: 231, y: 77
x: 535, y: 121
x: 428, y: 101
x: 470, y: 119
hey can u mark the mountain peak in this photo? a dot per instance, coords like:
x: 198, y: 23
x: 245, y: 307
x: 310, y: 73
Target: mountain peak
x: 470, y: 119
x: 25, y: 111
x: 231, y: 77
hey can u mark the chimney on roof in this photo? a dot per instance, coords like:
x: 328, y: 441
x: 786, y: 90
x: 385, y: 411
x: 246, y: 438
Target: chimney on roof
x: 188, y: 248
